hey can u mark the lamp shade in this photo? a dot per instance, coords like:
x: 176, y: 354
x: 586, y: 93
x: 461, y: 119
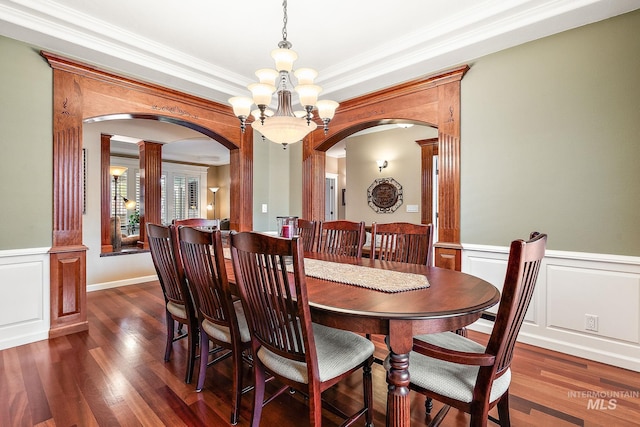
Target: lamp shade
x: 326, y: 108
x: 117, y: 170
x: 308, y: 94
x: 284, y: 59
x: 241, y: 105
x: 305, y: 76
x: 267, y: 76
x: 261, y: 93
x: 129, y: 204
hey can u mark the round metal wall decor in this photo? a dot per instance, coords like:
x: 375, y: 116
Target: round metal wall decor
x: 385, y: 195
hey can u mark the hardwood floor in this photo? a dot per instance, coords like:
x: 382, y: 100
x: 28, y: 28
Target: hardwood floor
x: 114, y: 375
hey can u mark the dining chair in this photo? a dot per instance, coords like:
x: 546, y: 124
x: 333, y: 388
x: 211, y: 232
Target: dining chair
x: 466, y: 375
x: 402, y: 242
x: 222, y: 319
x: 302, y: 355
x: 341, y: 237
x: 179, y: 307
x: 200, y: 223
x: 307, y: 232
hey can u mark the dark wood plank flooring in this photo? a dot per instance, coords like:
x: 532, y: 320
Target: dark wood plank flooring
x: 114, y: 375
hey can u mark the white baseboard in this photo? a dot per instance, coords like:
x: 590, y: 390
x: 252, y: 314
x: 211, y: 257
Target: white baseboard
x: 118, y: 283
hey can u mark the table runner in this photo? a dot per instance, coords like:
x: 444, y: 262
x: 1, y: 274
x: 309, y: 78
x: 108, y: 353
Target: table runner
x: 367, y: 277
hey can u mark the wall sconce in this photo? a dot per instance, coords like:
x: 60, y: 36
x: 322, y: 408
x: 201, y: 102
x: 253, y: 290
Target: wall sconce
x: 382, y: 164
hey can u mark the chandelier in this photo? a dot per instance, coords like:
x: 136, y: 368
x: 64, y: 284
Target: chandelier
x: 285, y: 126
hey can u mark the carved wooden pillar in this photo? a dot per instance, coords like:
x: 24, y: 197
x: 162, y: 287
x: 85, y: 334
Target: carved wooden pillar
x: 448, y: 251
x: 241, y: 183
x: 150, y: 188
x: 428, y: 149
x: 313, y: 180
x: 68, y: 254
x: 105, y: 194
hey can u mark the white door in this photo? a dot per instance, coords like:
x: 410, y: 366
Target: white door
x: 330, y: 197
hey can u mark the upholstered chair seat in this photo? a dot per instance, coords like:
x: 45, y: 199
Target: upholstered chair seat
x: 452, y: 380
x: 338, y: 351
x: 222, y: 333
x: 178, y: 310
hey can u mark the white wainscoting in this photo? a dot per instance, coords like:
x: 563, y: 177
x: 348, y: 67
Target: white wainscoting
x: 570, y: 286
x: 24, y: 306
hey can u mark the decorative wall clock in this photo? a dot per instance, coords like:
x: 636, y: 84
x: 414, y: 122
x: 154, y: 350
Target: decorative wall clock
x: 384, y: 195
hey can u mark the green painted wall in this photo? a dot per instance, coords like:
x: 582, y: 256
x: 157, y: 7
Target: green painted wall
x: 26, y: 154
x: 270, y: 183
x: 551, y: 141
x: 404, y: 156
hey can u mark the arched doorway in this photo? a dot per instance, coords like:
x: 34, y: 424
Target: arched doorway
x: 81, y: 92
x: 434, y: 101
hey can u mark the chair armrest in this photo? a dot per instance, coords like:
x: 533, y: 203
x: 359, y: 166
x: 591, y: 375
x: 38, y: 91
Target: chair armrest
x: 454, y: 356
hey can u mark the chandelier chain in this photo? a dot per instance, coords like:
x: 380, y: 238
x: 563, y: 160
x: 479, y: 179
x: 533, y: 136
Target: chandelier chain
x: 284, y: 21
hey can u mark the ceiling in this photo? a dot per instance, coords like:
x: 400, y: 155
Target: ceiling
x: 212, y: 51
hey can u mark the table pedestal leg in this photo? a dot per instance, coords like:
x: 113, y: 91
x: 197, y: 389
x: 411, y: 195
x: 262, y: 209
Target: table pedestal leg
x: 398, y: 402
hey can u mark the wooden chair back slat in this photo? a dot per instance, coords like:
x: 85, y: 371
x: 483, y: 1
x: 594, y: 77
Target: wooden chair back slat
x: 402, y: 242
x: 341, y: 238
x: 164, y: 261
x: 206, y: 273
x: 519, y: 285
x: 307, y: 231
x: 277, y: 307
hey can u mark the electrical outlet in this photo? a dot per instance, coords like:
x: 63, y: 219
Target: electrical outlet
x: 591, y: 322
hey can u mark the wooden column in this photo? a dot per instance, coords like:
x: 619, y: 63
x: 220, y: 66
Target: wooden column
x: 68, y: 254
x: 105, y: 193
x: 448, y: 251
x: 241, y: 185
x: 428, y: 149
x: 313, y: 180
x: 150, y: 188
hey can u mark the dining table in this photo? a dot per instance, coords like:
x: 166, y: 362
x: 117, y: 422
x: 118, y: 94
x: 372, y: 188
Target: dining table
x: 399, y: 300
